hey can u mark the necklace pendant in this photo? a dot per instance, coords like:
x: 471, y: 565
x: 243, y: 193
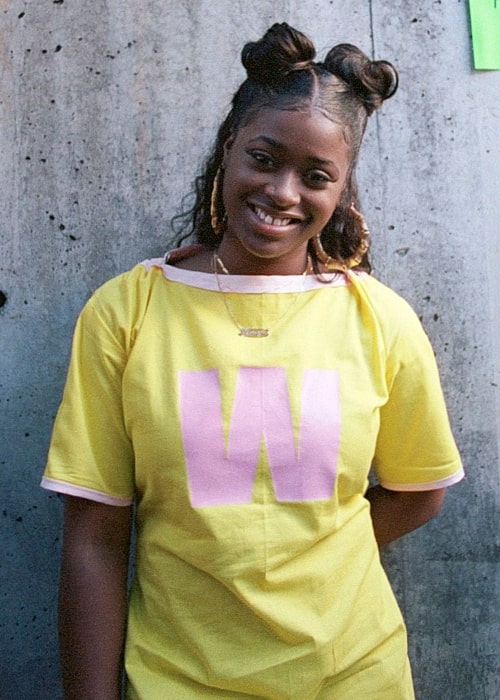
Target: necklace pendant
x: 254, y: 332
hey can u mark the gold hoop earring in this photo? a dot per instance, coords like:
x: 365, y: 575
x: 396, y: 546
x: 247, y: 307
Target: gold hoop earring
x: 345, y: 264
x: 217, y: 224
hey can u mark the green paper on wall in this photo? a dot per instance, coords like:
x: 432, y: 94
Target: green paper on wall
x: 485, y: 24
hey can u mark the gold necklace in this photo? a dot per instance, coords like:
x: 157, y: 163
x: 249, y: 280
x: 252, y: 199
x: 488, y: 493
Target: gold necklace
x: 245, y: 331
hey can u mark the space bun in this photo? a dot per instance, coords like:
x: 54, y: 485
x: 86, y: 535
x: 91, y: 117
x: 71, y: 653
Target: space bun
x: 281, y: 51
x: 371, y: 81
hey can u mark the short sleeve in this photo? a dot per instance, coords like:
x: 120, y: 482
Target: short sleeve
x: 415, y: 448
x: 90, y: 453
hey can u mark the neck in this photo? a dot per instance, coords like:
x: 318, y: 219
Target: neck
x: 247, y: 264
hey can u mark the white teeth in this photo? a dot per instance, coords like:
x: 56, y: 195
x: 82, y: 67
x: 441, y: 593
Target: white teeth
x: 267, y: 219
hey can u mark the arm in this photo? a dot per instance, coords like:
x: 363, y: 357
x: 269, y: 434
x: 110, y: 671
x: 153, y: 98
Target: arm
x: 93, y: 598
x: 395, y: 513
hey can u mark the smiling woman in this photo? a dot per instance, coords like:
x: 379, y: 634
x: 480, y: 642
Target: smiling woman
x: 284, y: 174
x: 283, y: 77
x: 239, y: 390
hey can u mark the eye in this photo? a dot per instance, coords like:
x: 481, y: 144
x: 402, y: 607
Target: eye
x: 318, y: 178
x: 262, y: 158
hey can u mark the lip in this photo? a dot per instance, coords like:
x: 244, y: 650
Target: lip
x: 274, y: 219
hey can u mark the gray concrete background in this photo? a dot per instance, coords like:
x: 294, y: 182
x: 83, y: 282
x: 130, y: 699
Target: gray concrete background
x: 106, y: 110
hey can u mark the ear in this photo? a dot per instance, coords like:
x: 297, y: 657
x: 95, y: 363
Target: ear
x: 227, y: 147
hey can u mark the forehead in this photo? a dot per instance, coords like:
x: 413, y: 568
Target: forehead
x: 301, y: 131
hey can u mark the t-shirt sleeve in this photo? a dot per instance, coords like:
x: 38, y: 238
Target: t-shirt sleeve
x: 90, y: 453
x: 415, y: 449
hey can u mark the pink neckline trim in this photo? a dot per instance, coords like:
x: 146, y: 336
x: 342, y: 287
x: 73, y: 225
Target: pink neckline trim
x: 248, y: 284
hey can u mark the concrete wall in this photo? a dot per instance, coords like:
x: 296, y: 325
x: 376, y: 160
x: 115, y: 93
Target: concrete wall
x: 106, y: 109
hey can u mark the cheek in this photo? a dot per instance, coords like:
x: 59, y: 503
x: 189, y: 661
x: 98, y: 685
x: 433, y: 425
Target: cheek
x: 234, y: 172
x: 328, y: 206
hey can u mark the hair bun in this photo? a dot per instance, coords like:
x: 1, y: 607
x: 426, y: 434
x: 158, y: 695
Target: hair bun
x: 282, y: 50
x: 372, y: 81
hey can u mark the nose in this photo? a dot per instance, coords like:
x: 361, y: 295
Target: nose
x: 283, y: 189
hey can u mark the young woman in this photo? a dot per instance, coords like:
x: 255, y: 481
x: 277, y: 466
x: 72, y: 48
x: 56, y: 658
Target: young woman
x: 239, y: 391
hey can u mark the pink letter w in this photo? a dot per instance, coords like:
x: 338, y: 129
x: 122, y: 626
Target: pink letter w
x: 261, y: 410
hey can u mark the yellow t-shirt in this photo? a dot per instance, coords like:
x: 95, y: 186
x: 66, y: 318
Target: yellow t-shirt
x: 257, y: 572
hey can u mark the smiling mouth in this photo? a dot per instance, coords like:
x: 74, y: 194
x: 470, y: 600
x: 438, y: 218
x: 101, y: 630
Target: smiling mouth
x: 271, y: 220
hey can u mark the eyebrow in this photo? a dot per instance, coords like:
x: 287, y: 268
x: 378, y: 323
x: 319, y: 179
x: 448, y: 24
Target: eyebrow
x: 278, y: 145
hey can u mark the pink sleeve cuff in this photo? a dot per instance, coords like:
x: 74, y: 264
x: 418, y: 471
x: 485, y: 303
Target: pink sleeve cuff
x: 67, y: 489
x: 426, y: 486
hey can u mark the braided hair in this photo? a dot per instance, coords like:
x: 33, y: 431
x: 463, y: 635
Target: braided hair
x: 346, y: 87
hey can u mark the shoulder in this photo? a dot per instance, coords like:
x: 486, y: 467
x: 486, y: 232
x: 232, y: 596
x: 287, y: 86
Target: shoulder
x: 129, y: 287
x: 398, y: 322
x: 386, y: 299
x: 120, y: 304
x: 137, y: 279
x: 390, y: 308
